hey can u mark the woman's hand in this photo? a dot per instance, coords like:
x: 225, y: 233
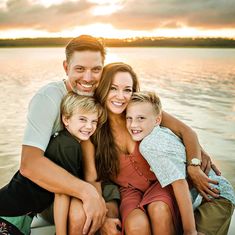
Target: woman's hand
x: 202, y: 182
x: 207, y: 163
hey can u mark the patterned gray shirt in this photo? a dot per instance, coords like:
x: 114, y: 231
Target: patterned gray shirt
x: 165, y: 153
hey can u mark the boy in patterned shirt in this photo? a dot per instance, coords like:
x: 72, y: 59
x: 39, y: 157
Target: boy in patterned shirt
x: 165, y: 153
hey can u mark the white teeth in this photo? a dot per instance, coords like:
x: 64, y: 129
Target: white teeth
x: 117, y: 103
x: 86, y: 85
x: 135, y: 131
x: 85, y: 132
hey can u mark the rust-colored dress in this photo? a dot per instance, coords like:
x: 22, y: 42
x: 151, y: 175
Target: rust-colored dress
x: 140, y: 187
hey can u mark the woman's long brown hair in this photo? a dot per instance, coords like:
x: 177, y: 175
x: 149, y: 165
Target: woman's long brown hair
x: 107, y: 161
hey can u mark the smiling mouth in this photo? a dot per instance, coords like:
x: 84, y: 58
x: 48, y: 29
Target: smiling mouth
x: 87, y: 133
x: 135, y: 132
x: 119, y: 104
x: 87, y: 86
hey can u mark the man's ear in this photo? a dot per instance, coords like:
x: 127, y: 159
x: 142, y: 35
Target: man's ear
x: 65, y: 65
x: 158, y: 119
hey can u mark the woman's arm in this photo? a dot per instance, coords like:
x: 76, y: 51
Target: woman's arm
x: 188, y: 136
x: 193, y: 150
x: 184, y: 201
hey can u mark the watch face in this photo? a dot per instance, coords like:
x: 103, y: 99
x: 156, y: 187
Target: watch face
x: 196, y: 161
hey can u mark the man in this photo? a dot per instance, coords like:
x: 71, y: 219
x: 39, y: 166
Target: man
x: 83, y: 66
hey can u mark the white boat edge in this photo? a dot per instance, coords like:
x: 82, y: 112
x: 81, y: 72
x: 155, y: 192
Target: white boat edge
x: 42, y: 227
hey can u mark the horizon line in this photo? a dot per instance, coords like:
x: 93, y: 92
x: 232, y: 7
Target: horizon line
x: 135, y: 37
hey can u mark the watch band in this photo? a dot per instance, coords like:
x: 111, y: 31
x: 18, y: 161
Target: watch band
x: 194, y: 162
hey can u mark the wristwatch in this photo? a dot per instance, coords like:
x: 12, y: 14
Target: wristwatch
x: 194, y: 162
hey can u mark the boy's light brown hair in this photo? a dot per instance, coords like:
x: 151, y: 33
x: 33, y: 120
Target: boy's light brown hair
x: 73, y: 102
x: 149, y: 97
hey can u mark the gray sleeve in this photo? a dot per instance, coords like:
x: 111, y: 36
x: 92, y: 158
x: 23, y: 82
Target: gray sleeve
x: 42, y: 114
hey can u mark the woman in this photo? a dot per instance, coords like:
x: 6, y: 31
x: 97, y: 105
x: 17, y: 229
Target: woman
x: 151, y: 208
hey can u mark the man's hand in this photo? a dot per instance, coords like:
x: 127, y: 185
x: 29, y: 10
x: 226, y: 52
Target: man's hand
x: 201, y: 182
x: 95, y: 210
x: 111, y: 226
x: 207, y: 164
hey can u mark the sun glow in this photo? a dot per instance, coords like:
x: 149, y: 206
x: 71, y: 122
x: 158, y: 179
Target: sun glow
x: 108, y: 31
x: 99, y: 24
x: 48, y: 3
x: 105, y: 10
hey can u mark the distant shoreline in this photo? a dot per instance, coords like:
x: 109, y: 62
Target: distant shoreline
x: 129, y: 42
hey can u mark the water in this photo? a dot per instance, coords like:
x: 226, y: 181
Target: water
x: 195, y: 85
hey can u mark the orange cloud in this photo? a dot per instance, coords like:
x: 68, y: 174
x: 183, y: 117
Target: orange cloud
x: 142, y: 15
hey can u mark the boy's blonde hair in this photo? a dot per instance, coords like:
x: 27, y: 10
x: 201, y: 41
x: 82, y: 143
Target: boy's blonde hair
x: 73, y: 102
x: 149, y: 97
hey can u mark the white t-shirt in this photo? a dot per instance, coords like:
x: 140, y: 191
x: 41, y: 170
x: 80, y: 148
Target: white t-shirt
x: 43, y: 117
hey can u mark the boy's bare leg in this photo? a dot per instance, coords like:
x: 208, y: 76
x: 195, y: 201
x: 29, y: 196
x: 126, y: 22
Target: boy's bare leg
x: 76, y: 218
x: 161, y: 218
x: 61, y: 209
x: 137, y: 222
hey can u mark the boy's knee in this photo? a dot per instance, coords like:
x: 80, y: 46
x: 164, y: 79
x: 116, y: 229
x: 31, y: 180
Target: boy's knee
x: 76, y: 221
x: 137, y: 224
x: 159, y: 209
x: 136, y: 227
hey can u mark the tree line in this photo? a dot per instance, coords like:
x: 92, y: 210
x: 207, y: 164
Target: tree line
x: 128, y: 42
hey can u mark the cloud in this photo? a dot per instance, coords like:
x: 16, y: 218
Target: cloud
x: 25, y: 14
x: 151, y: 14
x: 132, y: 15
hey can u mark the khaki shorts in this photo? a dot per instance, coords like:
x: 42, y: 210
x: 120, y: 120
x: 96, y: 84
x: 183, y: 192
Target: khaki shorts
x: 213, y: 218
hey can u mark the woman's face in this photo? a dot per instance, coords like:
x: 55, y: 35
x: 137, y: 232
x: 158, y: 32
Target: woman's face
x: 120, y: 92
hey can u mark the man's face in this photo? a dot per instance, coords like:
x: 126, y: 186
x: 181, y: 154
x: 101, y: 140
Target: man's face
x: 84, y: 72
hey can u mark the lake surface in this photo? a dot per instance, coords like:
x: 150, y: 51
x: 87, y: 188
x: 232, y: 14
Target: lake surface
x: 195, y: 85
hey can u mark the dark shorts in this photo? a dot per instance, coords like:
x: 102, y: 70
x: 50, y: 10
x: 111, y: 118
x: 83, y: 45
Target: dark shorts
x: 110, y: 192
x: 21, y: 196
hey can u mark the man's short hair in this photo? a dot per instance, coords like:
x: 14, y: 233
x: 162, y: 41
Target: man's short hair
x: 84, y: 43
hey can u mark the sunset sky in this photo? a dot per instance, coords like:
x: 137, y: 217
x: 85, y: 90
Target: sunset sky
x: 117, y: 18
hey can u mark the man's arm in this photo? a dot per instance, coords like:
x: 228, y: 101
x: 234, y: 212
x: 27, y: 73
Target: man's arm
x: 183, y: 131
x: 193, y: 149
x: 55, y: 179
